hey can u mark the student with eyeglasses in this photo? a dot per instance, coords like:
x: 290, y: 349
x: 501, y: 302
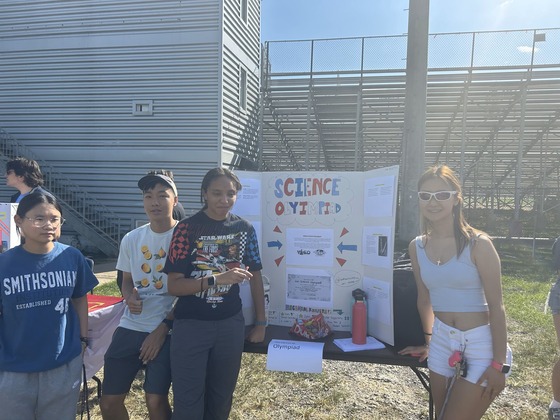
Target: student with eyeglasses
x: 25, y: 175
x: 458, y: 275
x: 43, y: 316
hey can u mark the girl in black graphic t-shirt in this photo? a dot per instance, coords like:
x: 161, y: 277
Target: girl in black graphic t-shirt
x: 210, y: 254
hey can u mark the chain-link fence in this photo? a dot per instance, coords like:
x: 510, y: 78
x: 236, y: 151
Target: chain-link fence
x: 445, y: 51
x: 482, y: 91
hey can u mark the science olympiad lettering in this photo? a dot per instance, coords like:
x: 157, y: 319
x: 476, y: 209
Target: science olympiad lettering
x: 305, y: 188
x: 285, y: 347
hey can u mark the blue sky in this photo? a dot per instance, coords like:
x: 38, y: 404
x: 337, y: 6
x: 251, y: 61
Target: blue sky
x: 314, y: 19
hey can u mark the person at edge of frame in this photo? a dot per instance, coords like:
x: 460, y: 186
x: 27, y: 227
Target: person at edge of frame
x: 458, y: 276
x: 43, y: 316
x: 554, y: 304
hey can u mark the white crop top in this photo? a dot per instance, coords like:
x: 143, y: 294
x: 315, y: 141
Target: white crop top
x: 454, y: 286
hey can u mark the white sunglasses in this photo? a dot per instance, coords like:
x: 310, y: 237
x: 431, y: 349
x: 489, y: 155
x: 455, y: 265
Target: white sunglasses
x: 438, y: 195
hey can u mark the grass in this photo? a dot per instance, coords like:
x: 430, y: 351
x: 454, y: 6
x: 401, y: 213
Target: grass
x: 359, y: 391
x: 108, y: 289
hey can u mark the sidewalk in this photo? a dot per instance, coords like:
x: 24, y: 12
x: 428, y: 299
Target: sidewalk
x: 105, y: 271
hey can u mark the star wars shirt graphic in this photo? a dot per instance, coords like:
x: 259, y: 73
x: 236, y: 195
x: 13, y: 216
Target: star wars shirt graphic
x: 217, y: 254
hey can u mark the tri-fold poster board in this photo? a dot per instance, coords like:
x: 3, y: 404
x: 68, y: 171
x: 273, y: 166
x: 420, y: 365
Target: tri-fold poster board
x: 322, y: 235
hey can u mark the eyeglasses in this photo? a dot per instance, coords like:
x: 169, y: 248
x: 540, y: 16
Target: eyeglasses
x: 40, y: 222
x: 438, y: 195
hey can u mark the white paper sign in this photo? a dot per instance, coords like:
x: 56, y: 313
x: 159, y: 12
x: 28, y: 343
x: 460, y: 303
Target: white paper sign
x: 309, y: 288
x: 376, y: 243
x: 310, y: 247
x: 249, y: 198
x: 379, y: 196
x: 345, y: 344
x: 295, y: 356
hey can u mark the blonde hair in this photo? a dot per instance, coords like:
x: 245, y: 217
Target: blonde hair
x: 463, y: 232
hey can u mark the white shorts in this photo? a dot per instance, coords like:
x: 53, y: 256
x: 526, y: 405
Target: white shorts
x: 476, y: 345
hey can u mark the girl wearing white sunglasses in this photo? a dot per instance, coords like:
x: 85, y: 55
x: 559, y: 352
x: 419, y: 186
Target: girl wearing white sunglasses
x: 458, y: 275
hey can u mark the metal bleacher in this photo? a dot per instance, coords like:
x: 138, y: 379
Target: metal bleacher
x: 493, y: 100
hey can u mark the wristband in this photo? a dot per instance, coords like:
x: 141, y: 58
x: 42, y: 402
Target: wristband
x: 425, y: 333
x: 261, y: 323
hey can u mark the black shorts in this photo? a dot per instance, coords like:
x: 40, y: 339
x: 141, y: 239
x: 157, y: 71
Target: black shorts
x: 122, y: 363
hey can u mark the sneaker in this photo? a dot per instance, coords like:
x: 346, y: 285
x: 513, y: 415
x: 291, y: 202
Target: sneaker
x: 554, y: 413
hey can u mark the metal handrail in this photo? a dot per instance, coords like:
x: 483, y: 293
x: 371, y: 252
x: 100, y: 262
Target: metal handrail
x: 72, y: 197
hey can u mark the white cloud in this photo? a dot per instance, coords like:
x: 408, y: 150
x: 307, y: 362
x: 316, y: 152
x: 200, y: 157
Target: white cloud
x: 526, y: 49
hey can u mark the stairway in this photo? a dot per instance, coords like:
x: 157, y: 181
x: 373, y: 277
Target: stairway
x: 84, y: 213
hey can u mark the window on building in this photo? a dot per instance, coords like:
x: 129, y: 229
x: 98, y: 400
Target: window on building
x: 244, y: 10
x: 242, y: 88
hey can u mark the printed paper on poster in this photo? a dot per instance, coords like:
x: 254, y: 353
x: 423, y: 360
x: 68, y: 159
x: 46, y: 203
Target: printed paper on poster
x: 309, y: 288
x: 379, y: 196
x: 375, y: 246
x: 310, y: 247
x: 378, y: 300
x: 249, y: 198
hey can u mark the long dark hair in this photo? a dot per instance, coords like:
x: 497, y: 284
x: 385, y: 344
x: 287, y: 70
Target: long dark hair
x: 211, y: 175
x: 463, y: 232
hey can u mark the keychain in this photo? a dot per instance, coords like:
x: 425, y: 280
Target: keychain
x: 457, y: 361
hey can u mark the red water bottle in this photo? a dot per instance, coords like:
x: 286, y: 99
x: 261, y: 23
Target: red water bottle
x: 359, y: 317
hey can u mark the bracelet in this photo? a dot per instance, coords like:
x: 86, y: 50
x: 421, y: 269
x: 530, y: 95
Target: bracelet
x: 85, y: 340
x: 425, y: 333
x: 261, y: 323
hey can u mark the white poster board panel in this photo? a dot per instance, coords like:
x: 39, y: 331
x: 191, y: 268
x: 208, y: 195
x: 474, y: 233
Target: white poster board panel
x: 9, y: 235
x: 380, y: 186
x: 249, y: 206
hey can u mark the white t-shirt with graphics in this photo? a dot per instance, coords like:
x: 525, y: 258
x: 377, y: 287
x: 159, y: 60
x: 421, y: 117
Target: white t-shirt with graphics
x: 143, y: 253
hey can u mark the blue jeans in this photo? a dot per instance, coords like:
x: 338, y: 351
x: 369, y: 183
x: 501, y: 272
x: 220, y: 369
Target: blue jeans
x: 205, y: 363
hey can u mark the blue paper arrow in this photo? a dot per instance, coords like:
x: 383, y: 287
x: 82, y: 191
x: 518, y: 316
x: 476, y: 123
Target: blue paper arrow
x: 274, y: 243
x: 342, y: 247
